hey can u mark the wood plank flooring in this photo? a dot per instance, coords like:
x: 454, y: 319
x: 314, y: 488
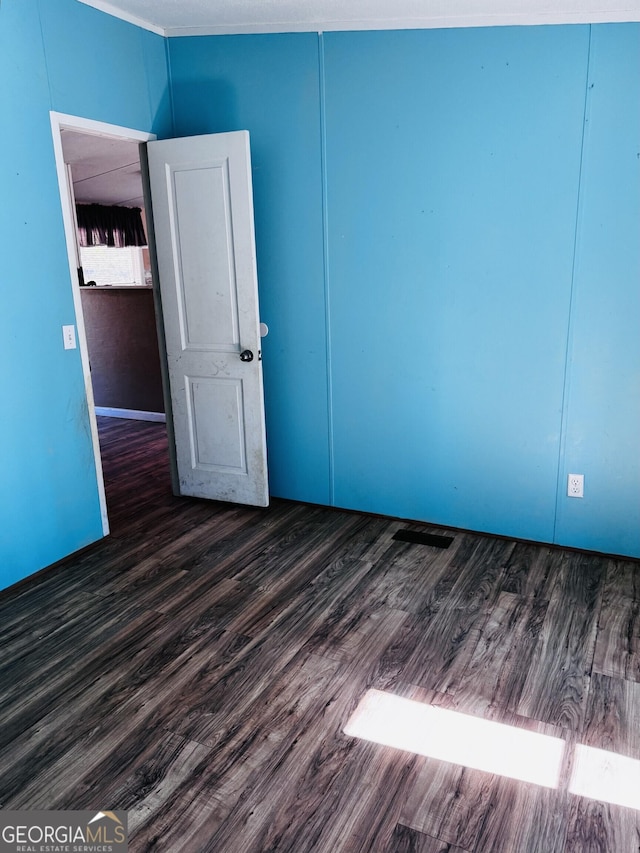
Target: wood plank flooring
x: 197, y: 668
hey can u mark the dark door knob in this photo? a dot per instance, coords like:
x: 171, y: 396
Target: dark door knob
x: 246, y: 355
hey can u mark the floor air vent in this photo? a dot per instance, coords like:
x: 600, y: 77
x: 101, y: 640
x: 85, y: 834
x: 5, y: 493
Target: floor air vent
x: 423, y: 538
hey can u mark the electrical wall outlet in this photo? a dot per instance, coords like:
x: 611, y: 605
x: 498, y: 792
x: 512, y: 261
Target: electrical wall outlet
x: 575, y: 485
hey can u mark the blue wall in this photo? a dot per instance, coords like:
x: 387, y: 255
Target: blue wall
x: 60, y: 55
x: 270, y: 85
x: 453, y: 165
x: 602, y: 412
x: 447, y: 229
x: 447, y: 241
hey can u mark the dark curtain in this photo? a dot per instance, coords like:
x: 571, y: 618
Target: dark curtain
x: 103, y: 225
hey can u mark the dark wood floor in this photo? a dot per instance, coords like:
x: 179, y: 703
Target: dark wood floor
x: 198, y: 666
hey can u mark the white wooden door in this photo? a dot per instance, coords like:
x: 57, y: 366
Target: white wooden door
x: 202, y: 203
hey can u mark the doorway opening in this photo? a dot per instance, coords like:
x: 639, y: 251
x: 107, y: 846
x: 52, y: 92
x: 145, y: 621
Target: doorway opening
x: 99, y: 164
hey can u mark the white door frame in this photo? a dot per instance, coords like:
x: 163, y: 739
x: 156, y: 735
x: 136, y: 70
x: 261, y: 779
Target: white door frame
x: 60, y: 121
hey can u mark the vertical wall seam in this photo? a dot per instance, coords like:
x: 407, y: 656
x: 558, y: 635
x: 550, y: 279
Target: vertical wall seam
x: 44, y: 54
x: 167, y: 56
x: 147, y: 74
x: 566, y: 383
x: 325, y: 265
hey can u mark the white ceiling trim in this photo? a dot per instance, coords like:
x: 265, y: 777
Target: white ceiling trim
x: 117, y: 12
x: 448, y: 22
x: 219, y: 19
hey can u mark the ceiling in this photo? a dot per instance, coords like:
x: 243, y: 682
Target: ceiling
x: 211, y: 17
x: 103, y: 170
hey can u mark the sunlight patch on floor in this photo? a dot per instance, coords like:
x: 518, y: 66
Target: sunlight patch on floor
x: 458, y: 738
x: 607, y: 776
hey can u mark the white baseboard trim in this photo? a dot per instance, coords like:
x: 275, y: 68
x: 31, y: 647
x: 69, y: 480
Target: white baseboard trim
x: 131, y: 414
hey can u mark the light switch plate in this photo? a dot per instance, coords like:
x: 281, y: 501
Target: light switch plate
x: 69, y: 337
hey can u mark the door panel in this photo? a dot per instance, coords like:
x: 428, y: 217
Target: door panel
x: 217, y: 441
x: 203, y: 219
x: 209, y: 315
